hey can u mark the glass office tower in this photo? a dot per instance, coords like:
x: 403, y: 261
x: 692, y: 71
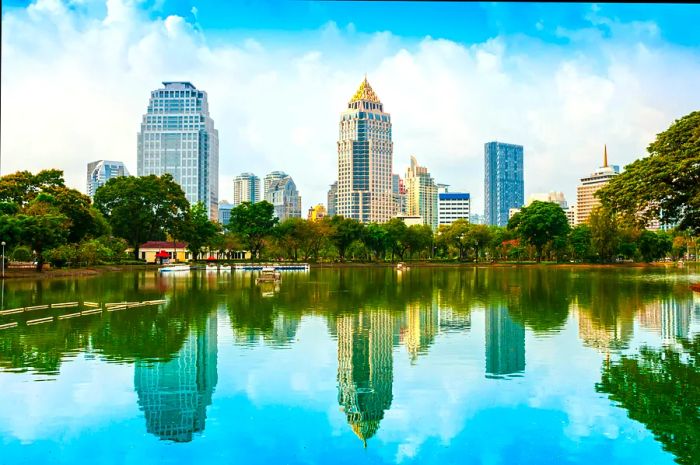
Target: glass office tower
x: 503, y: 181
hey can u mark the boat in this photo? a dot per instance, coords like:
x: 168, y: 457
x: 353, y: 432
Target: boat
x: 212, y: 268
x: 174, y: 268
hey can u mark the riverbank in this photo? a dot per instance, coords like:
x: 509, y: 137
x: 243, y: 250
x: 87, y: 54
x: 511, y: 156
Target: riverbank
x: 101, y: 269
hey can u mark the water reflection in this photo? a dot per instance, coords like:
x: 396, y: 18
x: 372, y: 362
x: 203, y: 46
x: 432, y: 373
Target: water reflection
x: 373, y: 316
x: 505, y: 344
x: 174, y: 394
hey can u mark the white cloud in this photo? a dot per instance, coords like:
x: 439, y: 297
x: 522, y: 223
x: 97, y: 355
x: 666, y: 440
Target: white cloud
x: 74, y: 89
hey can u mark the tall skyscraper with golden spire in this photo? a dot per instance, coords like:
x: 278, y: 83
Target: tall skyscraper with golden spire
x: 365, y: 158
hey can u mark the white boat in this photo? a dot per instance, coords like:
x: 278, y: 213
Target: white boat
x: 174, y: 268
x: 212, y: 268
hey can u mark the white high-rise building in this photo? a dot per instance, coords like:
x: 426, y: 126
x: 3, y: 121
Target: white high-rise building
x: 283, y: 195
x: 365, y: 157
x: 178, y: 137
x: 101, y: 171
x: 421, y: 194
x: 246, y: 188
x: 270, y: 179
x: 585, y: 192
x: 453, y: 206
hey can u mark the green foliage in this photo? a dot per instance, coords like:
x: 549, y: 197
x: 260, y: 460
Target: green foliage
x: 396, y: 231
x: 62, y: 255
x: 22, y: 187
x: 144, y: 208
x: 197, y: 230
x: 539, y: 224
x: 667, y: 181
x: 21, y: 253
x: 376, y: 239
x: 581, y: 242
x: 654, y: 246
x: 419, y: 239
x: 604, y: 233
x: 344, y: 231
x: 253, y: 222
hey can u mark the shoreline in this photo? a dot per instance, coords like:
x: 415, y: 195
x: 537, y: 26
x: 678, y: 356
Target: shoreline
x: 102, y: 269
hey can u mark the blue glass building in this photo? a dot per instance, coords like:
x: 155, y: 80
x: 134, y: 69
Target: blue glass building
x: 178, y: 137
x: 504, y: 186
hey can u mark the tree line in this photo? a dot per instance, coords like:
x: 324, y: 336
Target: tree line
x: 43, y: 220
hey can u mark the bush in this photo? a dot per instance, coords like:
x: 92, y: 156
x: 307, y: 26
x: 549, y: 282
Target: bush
x: 61, y: 255
x: 93, y: 252
x: 22, y: 254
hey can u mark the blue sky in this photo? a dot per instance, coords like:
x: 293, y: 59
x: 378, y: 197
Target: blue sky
x: 560, y: 79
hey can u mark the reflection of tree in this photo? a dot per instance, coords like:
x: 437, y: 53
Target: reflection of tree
x: 661, y: 389
x: 540, y: 299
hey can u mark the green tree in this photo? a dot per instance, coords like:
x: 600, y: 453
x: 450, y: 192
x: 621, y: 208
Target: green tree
x: 653, y: 246
x: 253, y: 223
x: 22, y: 187
x: 396, y: 231
x: 43, y: 232
x: 294, y: 234
x: 539, y: 224
x: 419, y: 238
x: 375, y: 238
x: 604, y: 233
x: 580, y: 242
x: 344, y: 232
x: 478, y: 237
x: 197, y: 230
x: 456, y: 235
x: 667, y: 181
x: 141, y: 209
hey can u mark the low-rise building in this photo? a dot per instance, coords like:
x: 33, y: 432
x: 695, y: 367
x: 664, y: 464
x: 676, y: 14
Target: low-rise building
x: 225, y: 212
x: 172, y: 251
x: 452, y: 206
x: 317, y: 212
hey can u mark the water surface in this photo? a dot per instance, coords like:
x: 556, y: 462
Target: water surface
x: 470, y: 366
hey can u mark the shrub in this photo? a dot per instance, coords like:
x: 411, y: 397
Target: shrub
x: 22, y: 254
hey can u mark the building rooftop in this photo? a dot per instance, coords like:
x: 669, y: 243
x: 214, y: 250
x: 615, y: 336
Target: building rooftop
x: 454, y: 196
x: 365, y: 92
x: 178, y: 85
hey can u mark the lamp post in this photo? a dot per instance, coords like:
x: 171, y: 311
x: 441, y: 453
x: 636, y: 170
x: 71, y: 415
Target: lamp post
x: 3, y: 259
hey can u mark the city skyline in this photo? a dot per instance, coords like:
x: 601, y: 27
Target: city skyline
x: 449, y: 91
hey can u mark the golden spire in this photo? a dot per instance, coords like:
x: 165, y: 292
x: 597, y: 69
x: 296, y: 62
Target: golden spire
x: 365, y: 92
x: 605, y: 156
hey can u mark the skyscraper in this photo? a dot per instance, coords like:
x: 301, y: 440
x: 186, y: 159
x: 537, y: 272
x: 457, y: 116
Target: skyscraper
x: 398, y: 192
x: 585, y: 192
x: 332, y: 199
x: 283, y: 195
x: 421, y: 194
x: 246, y: 188
x: 174, y: 394
x: 270, y: 178
x: 101, y: 171
x: 503, y: 181
x: 365, y: 156
x: 178, y: 137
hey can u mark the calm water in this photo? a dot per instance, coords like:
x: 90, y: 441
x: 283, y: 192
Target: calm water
x: 471, y: 366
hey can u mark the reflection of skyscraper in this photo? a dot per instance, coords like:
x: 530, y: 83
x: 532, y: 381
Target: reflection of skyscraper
x: 365, y: 369
x: 422, y: 326
x: 505, y: 343
x: 613, y: 333
x: 174, y: 395
x: 669, y: 318
x: 284, y: 328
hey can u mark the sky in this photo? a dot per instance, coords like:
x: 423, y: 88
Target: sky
x: 560, y: 79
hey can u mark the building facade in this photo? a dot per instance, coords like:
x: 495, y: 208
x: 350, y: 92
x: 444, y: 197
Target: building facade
x: 332, y: 198
x: 269, y: 179
x: 452, y: 206
x: 504, y: 186
x: 101, y: 171
x: 586, y: 200
x: 421, y: 194
x: 178, y: 137
x: 365, y: 157
x: 554, y: 197
x: 398, y: 194
x: 224, y: 212
x: 283, y: 195
x: 246, y: 188
x: 317, y: 212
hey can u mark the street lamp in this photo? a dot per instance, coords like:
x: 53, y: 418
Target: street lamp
x: 3, y: 259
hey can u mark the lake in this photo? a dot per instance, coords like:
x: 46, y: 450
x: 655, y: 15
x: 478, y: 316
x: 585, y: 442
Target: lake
x: 526, y: 365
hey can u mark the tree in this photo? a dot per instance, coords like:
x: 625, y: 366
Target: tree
x: 604, y: 233
x: 141, y: 209
x: 396, y: 231
x: 653, y: 246
x: 539, y: 224
x: 418, y: 238
x: 375, y: 238
x: 456, y: 235
x: 197, y: 230
x: 478, y: 237
x: 294, y: 234
x: 253, y: 222
x: 43, y: 232
x: 344, y: 232
x: 22, y: 187
x: 580, y: 242
x: 666, y: 183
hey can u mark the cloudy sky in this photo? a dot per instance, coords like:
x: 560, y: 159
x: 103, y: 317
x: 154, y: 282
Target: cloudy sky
x: 562, y: 80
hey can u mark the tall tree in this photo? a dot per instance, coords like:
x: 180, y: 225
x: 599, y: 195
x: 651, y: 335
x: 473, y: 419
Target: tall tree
x: 396, y: 231
x: 604, y: 233
x: 197, y: 230
x: 580, y: 242
x: 375, y: 238
x: 539, y: 224
x: 344, y: 232
x: 141, y: 209
x: 253, y: 222
x: 667, y: 182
